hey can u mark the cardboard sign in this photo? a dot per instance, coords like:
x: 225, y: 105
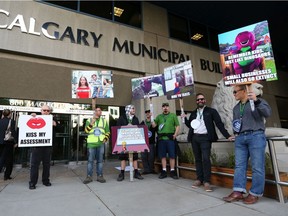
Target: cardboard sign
x: 246, y: 55
x: 179, y: 81
x: 35, y: 131
x: 130, y: 138
x: 148, y: 87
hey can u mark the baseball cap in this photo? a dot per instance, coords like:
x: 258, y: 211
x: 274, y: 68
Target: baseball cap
x: 165, y: 104
x: 147, y: 111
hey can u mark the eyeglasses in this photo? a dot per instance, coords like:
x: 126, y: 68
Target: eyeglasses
x: 45, y: 110
x: 200, y: 99
x: 235, y: 92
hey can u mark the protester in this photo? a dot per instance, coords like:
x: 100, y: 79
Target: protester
x: 168, y: 128
x: 98, y: 133
x: 6, y: 122
x: 250, y: 142
x: 149, y: 157
x: 42, y: 153
x: 128, y: 119
x: 202, y: 133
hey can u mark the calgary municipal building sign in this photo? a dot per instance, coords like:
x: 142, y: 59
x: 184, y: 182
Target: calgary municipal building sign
x: 54, y: 31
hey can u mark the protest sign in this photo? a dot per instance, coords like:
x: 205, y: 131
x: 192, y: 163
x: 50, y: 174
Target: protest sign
x: 130, y: 138
x: 246, y: 55
x: 179, y: 81
x: 35, y: 131
x: 148, y: 87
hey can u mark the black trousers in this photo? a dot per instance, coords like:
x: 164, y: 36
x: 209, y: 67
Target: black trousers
x: 7, y: 158
x: 201, y: 146
x: 39, y: 154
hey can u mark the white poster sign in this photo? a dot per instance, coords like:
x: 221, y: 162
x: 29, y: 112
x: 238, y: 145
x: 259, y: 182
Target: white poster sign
x: 35, y: 131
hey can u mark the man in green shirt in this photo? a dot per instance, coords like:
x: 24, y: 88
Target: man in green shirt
x: 168, y: 128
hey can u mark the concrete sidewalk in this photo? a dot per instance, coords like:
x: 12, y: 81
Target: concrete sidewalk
x: 151, y: 196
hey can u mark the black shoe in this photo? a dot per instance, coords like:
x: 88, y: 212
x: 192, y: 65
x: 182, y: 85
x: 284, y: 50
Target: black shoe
x: 48, y: 184
x: 137, y: 175
x: 32, y: 186
x: 120, y: 177
x: 7, y: 178
x: 163, y: 174
x: 173, y: 174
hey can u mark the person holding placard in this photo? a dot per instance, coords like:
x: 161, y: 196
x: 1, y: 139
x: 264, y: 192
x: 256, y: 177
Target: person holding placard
x: 250, y: 142
x: 202, y: 123
x: 6, y: 122
x: 168, y: 128
x: 128, y: 118
x: 98, y: 133
x: 41, y: 153
x: 149, y: 157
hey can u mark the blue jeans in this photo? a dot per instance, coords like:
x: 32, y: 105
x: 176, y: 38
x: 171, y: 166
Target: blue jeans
x: 95, y: 153
x: 251, y: 145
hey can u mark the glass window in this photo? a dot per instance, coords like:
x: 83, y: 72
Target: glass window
x: 98, y: 8
x: 213, y: 38
x: 128, y: 12
x: 178, y: 27
x: 66, y: 4
x: 199, y: 34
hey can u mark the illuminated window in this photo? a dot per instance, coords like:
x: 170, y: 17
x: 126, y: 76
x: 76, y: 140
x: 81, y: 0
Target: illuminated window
x: 199, y: 34
x: 131, y: 13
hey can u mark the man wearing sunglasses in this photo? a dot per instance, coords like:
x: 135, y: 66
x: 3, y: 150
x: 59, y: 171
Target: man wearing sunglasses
x: 250, y: 142
x: 202, y: 133
x: 43, y: 154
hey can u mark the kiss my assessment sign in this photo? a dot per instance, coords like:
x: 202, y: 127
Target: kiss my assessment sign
x: 35, y: 131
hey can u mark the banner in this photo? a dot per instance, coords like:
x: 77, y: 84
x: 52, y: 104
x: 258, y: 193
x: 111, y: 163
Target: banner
x: 130, y: 138
x: 92, y: 84
x: 35, y: 131
x: 179, y: 81
x: 148, y: 87
x: 246, y: 55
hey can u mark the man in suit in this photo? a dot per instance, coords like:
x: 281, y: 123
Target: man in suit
x: 203, y: 133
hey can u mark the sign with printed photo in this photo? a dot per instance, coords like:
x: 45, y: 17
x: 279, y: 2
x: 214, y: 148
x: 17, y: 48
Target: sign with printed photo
x: 246, y: 55
x: 179, y: 81
x: 35, y: 131
x: 148, y: 87
x: 92, y: 84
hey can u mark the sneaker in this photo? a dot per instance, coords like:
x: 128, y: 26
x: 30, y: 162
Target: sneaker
x: 120, y: 177
x: 137, y: 175
x: 207, y: 187
x: 173, y: 174
x: 196, y: 184
x: 163, y: 174
x: 101, y: 179
x: 87, y: 180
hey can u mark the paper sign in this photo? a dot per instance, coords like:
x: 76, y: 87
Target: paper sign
x: 35, y: 131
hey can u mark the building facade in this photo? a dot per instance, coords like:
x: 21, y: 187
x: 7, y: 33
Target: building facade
x: 41, y: 44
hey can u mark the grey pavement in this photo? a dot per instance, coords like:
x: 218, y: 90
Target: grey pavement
x: 151, y: 196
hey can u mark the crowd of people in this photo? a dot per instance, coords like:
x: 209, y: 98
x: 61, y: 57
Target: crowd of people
x: 249, y: 142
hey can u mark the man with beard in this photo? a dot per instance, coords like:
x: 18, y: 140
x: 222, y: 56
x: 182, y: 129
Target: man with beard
x: 168, y: 128
x: 201, y: 124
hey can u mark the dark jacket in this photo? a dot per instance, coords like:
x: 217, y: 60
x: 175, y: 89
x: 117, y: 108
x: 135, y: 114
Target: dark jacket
x: 153, y: 133
x: 3, y: 127
x: 122, y: 121
x: 210, y: 117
